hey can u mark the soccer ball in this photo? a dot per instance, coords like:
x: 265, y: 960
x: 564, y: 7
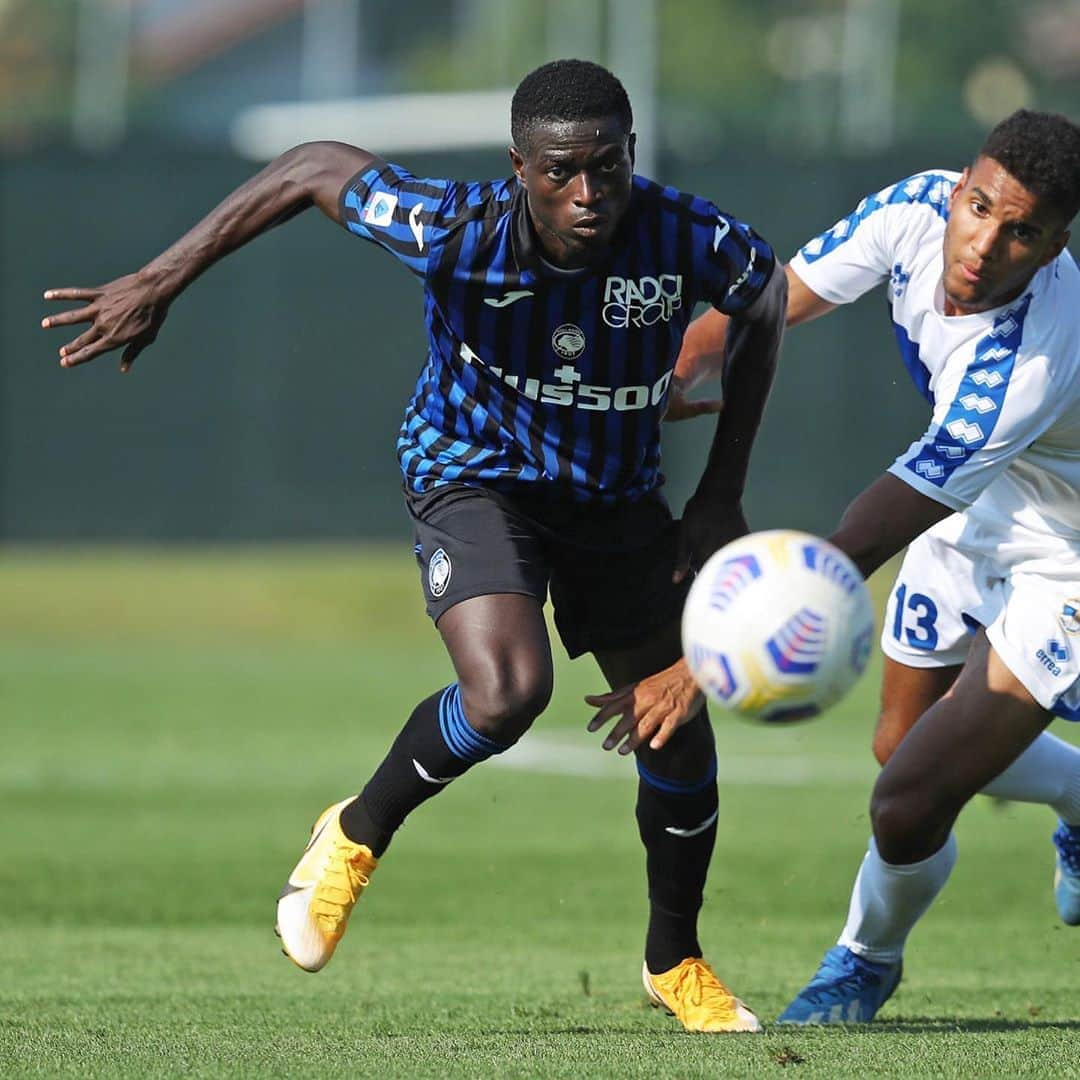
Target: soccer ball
x: 777, y: 626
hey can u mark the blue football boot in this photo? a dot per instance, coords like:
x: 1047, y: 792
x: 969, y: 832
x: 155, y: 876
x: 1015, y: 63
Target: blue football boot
x: 845, y: 989
x: 1067, y: 873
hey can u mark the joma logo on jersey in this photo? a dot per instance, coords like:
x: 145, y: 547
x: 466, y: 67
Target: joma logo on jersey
x: 642, y: 302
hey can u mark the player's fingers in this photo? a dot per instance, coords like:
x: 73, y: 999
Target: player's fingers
x: 66, y: 318
x: 609, y: 705
x: 85, y: 338
x: 72, y: 294
x: 642, y: 728
x: 128, y: 357
x: 88, y: 352
x: 668, y: 726
x: 624, y: 729
x: 609, y: 713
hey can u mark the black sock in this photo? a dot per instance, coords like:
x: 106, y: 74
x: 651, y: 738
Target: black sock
x: 436, y: 745
x: 677, y: 822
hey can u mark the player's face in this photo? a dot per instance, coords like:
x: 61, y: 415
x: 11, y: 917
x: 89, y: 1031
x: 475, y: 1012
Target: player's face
x: 999, y: 234
x: 577, y: 176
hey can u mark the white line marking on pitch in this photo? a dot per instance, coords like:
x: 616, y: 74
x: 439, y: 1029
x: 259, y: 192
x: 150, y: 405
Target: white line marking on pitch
x: 564, y: 757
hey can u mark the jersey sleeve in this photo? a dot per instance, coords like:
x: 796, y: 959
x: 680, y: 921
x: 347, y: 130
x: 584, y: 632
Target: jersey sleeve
x: 737, y: 262
x: 404, y: 215
x: 859, y: 251
x: 1006, y: 398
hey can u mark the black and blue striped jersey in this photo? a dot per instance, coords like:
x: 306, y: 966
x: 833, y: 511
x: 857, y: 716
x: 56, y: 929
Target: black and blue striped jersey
x: 541, y: 379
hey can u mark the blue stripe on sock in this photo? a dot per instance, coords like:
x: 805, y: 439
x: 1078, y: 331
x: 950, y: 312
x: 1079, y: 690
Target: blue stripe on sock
x: 463, y: 741
x: 677, y: 787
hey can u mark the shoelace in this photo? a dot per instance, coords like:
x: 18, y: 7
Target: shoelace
x: 344, y: 879
x: 697, y: 980
x: 1067, y: 841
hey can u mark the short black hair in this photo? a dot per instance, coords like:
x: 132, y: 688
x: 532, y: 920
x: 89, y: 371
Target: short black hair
x: 1042, y: 151
x: 567, y: 90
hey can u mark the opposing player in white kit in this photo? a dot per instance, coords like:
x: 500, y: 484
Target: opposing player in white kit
x: 982, y: 633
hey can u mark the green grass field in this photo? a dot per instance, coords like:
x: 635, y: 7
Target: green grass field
x: 172, y: 723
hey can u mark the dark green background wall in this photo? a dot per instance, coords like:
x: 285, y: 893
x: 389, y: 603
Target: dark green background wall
x: 269, y: 406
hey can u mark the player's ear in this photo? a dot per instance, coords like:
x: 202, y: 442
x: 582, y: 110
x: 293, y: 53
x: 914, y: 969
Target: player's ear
x: 960, y: 185
x: 631, y: 146
x: 517, y: 160
x: 1057, y: 246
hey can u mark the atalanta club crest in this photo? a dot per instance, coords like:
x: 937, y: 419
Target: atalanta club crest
x: 568, y: 341
x: 1070, y: 616
x: 438, y: 573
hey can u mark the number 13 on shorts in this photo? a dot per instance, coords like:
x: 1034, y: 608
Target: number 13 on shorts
x: 914, y: 618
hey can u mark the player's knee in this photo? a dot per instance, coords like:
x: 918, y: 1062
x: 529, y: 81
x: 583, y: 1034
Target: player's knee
x: 908, y: 824
x: 502, y: 706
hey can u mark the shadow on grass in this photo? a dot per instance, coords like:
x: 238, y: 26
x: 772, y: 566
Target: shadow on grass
x: 921, y: 1025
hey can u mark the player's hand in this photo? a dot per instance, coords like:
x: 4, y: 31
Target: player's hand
x: 706, y: 527
x: 680, y: 407
x: 126, y: 313
x: 649, y: 711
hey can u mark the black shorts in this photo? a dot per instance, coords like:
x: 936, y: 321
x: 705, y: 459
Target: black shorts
x: 609, y: 570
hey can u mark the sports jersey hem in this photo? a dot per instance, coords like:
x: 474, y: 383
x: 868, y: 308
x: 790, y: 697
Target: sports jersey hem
x: 804, y: 272
x: 1019, y: 667
x: 920, y: 659
x: 924, y: 487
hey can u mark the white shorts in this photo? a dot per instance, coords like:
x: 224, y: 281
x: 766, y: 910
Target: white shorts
x: 951, y: 584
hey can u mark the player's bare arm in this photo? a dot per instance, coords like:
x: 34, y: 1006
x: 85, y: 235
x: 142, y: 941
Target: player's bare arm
x: 880, y: 522
x: 713, y: 515
x: 701, y: 357
x: 128, y: 312
x: 883, y: 520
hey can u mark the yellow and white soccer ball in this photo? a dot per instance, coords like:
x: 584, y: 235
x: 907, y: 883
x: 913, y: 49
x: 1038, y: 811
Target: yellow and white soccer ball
x: 778, y: 626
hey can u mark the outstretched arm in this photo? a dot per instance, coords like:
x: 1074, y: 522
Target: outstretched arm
x: 128, y: 312
x: 880, y: 522
x: 701, y: 357
x: 713, y: 515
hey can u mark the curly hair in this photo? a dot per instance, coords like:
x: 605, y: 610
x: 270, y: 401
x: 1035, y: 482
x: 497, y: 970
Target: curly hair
x: 566, y: 90
x: 1042, y: 151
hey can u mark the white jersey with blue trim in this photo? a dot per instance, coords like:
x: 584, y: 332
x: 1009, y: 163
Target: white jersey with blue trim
x: 1003, y: 443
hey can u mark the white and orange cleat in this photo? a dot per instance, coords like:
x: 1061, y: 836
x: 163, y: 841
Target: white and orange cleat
x: 693, y: 994
x: 315, y: 904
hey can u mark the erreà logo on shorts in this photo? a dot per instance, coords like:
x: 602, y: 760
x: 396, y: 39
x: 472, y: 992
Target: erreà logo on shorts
x: 438, y: 573
x: 641, y: 302
x: 1055, y: 654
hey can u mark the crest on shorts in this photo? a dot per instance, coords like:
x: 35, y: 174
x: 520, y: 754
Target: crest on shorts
x: 438, y: 573
x: 1070, y: 616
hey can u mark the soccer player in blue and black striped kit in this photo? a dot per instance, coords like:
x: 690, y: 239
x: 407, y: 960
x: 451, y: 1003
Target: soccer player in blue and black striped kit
x: 555, y: 303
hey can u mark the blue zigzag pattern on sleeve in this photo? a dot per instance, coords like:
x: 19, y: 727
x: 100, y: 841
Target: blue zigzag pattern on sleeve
x: 932, y: 189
